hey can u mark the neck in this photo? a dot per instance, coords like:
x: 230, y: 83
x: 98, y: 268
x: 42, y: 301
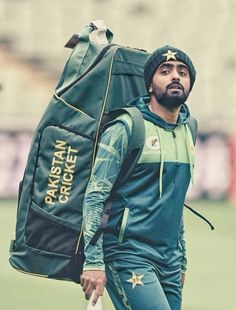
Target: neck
x: 170, y: 115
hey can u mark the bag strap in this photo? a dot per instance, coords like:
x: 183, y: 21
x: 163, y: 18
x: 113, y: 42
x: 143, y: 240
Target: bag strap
x: 134, y: 151
x: 200, y: 215
x: 193, y: 128
x: 135, y: 144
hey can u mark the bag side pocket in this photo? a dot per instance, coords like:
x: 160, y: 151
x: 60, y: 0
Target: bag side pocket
x: 49, y: 233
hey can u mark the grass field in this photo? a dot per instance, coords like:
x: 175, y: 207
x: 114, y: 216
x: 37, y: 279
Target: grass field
x: 210, y: 280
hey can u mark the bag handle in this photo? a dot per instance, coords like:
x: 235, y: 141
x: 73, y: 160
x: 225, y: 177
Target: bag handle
x: 101, y: 34
x: 96, y: 31
x: 81, y: 45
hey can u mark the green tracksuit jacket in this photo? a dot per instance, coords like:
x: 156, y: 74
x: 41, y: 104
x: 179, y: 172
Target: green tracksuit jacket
x: 147, y: 212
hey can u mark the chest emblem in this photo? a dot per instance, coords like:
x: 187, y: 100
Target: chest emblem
x: 153, y: 144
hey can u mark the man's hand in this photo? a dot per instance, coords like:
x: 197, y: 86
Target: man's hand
x: 93, y: 280
x: 182, y: 278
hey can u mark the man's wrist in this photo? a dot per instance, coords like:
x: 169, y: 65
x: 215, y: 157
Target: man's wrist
x: 100, y: 267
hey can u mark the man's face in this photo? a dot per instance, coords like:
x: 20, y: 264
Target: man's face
x: 171, y: 84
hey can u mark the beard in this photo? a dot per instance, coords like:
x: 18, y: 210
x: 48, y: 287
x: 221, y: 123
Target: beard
x: 167, y: 100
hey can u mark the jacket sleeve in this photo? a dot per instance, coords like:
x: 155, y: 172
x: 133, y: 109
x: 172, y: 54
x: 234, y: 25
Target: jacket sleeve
x: 111, y: 152
x: 183, y: 248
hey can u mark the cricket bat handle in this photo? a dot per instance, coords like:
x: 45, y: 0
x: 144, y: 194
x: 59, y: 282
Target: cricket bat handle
x: 98, y: 305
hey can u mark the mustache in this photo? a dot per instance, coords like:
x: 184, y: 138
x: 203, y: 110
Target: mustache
x: 175, y: 84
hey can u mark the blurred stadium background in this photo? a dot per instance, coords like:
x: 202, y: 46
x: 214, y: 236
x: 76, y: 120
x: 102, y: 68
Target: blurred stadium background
x: 32, y: 36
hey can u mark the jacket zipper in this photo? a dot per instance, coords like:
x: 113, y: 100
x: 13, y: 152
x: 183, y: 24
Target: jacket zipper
x: 176, y: 149
x: 177, y: 158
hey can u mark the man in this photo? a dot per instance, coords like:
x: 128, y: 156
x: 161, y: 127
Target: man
x: 141, y: 255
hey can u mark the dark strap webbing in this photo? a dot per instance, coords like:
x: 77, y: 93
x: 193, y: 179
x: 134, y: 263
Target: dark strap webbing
x: 138, y: 129
x: 135, y: 145
x: 134, y: 151
x: 193, y: 128
x: 201, y: 216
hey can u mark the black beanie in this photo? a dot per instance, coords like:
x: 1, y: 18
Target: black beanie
x: 163, y: 54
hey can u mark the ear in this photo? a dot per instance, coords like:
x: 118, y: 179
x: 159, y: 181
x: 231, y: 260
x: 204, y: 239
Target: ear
x: 150, y: 89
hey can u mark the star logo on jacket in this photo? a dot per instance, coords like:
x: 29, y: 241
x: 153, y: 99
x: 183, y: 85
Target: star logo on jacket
x: 153, y: 143
x: 135, y: 280
x: 170, y: 55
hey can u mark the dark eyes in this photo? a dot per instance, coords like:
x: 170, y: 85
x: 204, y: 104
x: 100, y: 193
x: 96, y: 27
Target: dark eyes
x: 182, y: 72
x: 165, y: 71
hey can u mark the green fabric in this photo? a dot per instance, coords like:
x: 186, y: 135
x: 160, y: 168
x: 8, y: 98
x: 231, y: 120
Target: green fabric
x: 112, y: 149
x: 96, y: 80
x: 118, y: 286
x: 158, y: 187
x: 144, y: 284
x: 171, y: 151
x: 98, y: 191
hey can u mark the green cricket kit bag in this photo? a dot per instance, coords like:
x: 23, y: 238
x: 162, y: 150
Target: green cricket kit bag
x: 98, y: 78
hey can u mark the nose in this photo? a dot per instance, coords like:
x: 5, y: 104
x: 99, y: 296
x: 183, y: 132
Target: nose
x: 175, y: 75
